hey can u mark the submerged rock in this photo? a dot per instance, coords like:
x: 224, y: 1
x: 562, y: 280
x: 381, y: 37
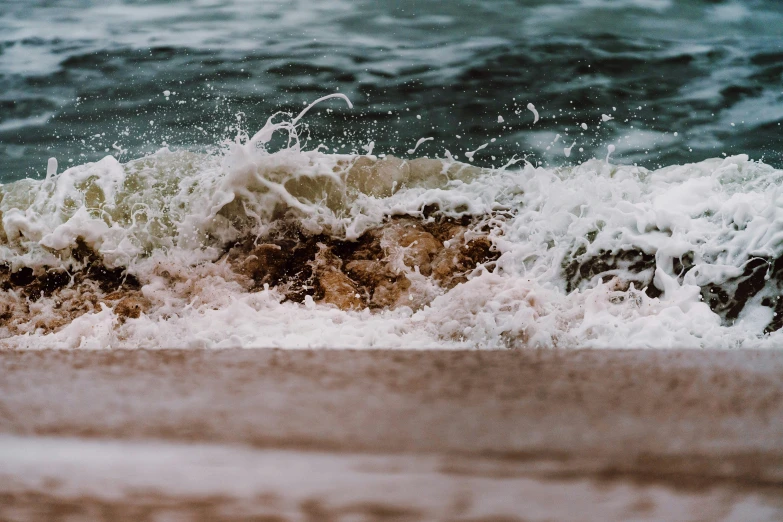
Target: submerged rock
x: 334, y: 287
x: 403, y: 262
x: 378, y: 270
x: 48, y: 298
x: 131, y: 306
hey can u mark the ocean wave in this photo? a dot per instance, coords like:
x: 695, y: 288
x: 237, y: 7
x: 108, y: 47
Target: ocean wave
x: 301, y: 248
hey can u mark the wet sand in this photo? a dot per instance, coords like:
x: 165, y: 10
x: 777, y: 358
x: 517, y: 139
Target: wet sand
x: 392, y: 435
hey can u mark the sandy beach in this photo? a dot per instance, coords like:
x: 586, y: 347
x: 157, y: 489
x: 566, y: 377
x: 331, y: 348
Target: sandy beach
x: 391, y: 435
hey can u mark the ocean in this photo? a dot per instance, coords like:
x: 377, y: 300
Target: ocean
x: 495, y: 174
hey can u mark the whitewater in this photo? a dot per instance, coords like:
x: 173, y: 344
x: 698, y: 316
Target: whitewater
x: 178, y: 249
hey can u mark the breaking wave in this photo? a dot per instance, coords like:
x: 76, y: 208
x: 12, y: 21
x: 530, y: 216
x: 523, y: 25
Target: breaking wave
x: 300, y: 248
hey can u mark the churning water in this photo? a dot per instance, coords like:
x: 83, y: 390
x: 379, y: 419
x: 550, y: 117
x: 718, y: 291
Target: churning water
x: 493, y: 174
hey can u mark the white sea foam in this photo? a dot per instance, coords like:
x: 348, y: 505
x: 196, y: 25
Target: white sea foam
x: 176, y: 212
x: 532, y: 108
x: 244, y: 479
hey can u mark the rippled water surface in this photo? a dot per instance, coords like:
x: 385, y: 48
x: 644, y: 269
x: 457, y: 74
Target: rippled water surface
x: 681, y: 80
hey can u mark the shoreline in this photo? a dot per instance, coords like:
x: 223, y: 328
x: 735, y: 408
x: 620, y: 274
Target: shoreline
x: 691, y: 422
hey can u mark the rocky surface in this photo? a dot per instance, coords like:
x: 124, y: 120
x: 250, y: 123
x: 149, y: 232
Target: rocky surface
x: 52, y: 297
x: 379, y: 270
x: 404, y: 262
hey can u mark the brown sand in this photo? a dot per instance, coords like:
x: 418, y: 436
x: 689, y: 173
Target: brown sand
x: 695, y: 423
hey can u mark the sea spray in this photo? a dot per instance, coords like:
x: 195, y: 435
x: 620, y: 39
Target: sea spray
x: 252, y: 247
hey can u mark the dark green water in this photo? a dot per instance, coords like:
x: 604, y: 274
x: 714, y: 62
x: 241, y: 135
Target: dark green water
x: 82, y: 79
